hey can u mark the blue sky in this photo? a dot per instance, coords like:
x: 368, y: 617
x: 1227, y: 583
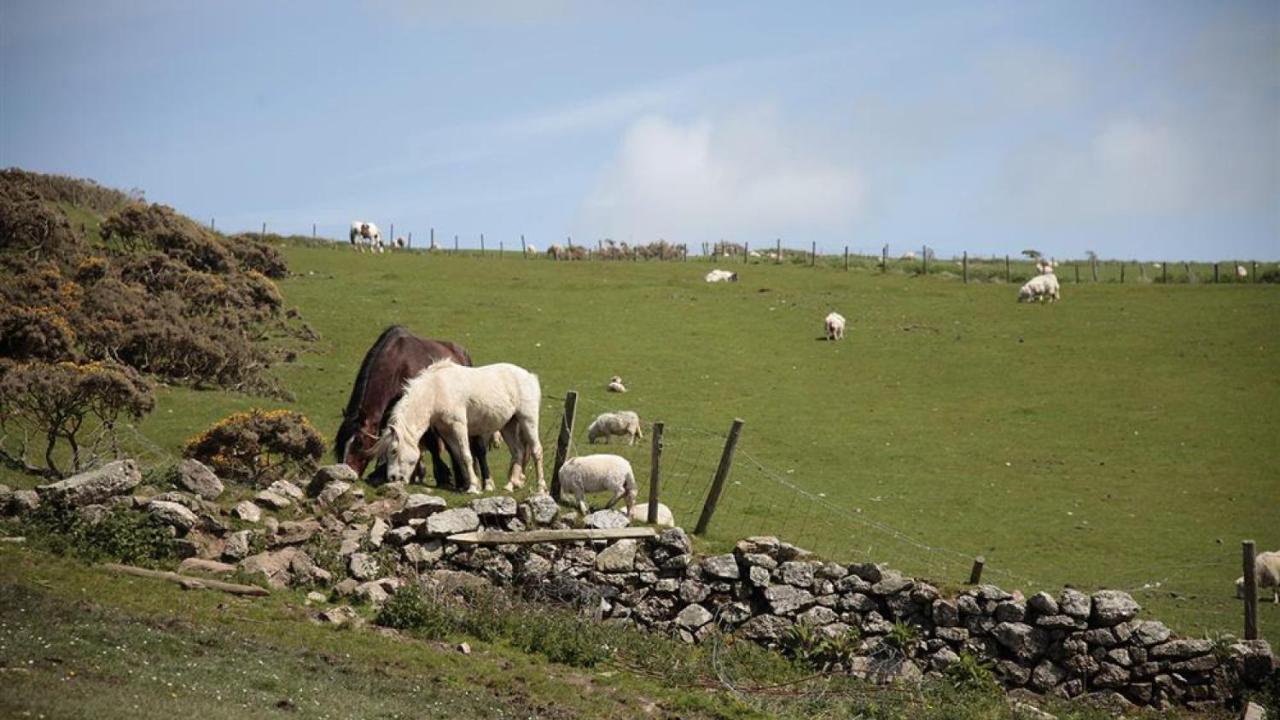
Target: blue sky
x: 1134, y: 129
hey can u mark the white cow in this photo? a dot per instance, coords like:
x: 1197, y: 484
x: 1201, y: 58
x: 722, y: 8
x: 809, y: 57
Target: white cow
x: 366, y: 234
x: 834, y: 324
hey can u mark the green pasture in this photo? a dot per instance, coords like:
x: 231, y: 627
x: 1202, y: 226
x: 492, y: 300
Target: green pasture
x: 1126, y: 437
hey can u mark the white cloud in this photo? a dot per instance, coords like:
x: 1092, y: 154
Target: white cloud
x: 741, y: 177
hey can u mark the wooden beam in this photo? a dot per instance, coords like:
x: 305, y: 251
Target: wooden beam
x: 187, y: 582
x: 528, y: 537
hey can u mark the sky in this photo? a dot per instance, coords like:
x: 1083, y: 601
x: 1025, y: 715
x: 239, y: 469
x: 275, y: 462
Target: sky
x: 1147, y: 130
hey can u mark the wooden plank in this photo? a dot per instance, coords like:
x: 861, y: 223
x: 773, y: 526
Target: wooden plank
x: 187, y: 582
x: 528, y: 537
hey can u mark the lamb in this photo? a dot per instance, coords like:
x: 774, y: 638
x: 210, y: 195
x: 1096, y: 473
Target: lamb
x: 716, y: 276
x: 624, y: 423
x: 835, y: 326
x: 615, y: 385
x: 1266, y: 573
x: 1040, y: 287
x: 640, y: 513
x: 598, y: 473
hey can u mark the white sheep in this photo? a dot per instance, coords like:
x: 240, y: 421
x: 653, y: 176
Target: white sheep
x: 1045, y: 266
x: 623, y: 423
x: 716, y: 276
x: 1040, y: 287
x: 599, y: 473
x: 834, y: 324
x: 1266, y: 573
x: 1241, y: 272
x: 615, y: 385
x: 640, y: 513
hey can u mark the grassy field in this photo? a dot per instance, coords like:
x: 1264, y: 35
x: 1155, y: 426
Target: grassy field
x: 1126, y: 437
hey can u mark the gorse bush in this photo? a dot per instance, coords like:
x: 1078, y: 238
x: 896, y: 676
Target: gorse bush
x: 259, y: 446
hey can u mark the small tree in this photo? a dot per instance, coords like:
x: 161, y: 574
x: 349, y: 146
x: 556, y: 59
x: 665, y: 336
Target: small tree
x: 66, y: 402
x: 258, y: 446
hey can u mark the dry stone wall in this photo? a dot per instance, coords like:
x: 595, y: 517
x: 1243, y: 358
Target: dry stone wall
x: 1072, y: 644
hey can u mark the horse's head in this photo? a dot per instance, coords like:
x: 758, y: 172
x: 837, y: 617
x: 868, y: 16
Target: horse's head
x: 400, y: 457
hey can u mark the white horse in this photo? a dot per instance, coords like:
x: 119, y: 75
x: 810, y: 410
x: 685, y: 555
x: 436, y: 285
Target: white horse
x: 460, y: 401
x: 365, y: 233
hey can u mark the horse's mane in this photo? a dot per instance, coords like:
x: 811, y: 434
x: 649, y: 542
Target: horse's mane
x: 351, y: 415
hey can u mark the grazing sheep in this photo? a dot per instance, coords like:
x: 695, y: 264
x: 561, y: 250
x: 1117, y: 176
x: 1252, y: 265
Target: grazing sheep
x: 835, y: 326
x: 615, y: 385
x: 400, y: 243
x: 716, y: 276
x: 1266, y: 573
x: 1241, y: 272
x: 908, y: 255
x: 1045, y: 266
x: 555, y: 251
x: 599, y: 473
x: 640, y: 513
x: 1040, y: 287
x: 624, y: 423
x: 530, y: 249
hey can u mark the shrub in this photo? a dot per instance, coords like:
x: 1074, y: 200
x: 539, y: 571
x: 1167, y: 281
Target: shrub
x: 903, y: 636
x: 123, y: 535
x: 68, y: 403
x: 258, y: 446
x: 817, y: 650
x: 969, y: 673
x: 410, y: 609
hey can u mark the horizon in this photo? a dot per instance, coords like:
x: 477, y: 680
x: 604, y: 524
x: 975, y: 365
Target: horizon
x: 1148, y: 131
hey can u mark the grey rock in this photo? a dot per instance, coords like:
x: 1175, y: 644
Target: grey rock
x: 295, y: 532
x: 1110, y: 676
x: 247, y: 511
x: 953, y: 635
x: 287, y: 489
x: 93, y: 514
x: 341, y: 615
x: 494, y: 508
x: 874, y: 624
x: 1013, y: 674
x: 196, y: 477
x: 425, y: 553
x: 693, y: 617
x: 891, y: 583
x: 372, y: 593
x: 1074, y: 603
x: 1120, y: 657
x: 1026, y: 642
x: 420, y: 505
x: 675, y: 540
x: 1010, y: 611
x: 1046, y: 676
x: 852, y: 583
x: 1252, y: 659
x: 945, y: 613
x: 943, y: 659
x: 538, y: 510
x: 173, y: 515
x: 867, y: 571
x: 765, y: 628
x: 758, y: 544
x: 22, y: 502
x: 817, y: 616
x: 799, y: 574
x: 991, y: 592
x: 94, y: 486
x: 734, y: 613
x: 451, y: 522
x: 378, y: 532
x: 724, y: 567
x: 1100, y: 636
x: 1182, y: 648
x: 1111, y: 607
x: 1254, y: 711
x: 333, y: 492
x: 618, y: 557
x: 1060, y: 622
x: 758, y: 576
x: 1043, y: 603
x: 692, y: 591
x: 787, y: 600
x: 400, y: 536
x: 1151, y: 632
x: 276, y: 566
x: 968, y: 605
x: 1200, y: 663
x: 272, y: 499
x: 857, y: 602
x: 362, y: 566
x: 324, y: 476
x: 236, y: 547
x: 604, y: 519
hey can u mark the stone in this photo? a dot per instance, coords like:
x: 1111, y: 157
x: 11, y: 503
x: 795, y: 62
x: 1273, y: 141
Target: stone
x: 1201, y: 663
x: 1010, y: 611
x: 1043, y: 603
x: 1074, y: 603
x: 765, y: 628
x: 943, y: 659
x: 173, y: 515
x: 378, y: 532
x: 236, y: 547
x: 758, y: 544
x: 421, y: 505
x: 494, y: 508
x: 991, y: 592
x: 787, y: 600
x: 295, y: 532
x: 341, y: 615
x: 538, y: 510
x: 723, y: 567
x: 692, y: 591
x: 287, y: 489
x: 400, y: 536
x: 333, y: 492
x: 247, y: 511
x: 1013, y: 674
x: 276, y: 566
x: 372, y: 592
x: 1109, y: 676
x: 787, y: 551
x: 316, y: 598
x: 1254, y: 711
x: 324, y: 476
x: 1151, y: 632
x: 1060, y: 622
x: 852, y: 583
x: 1252, y: 659
x: 735, y: 613
x: 346, y: 588
x: 799, y: 574
x: 1046, y: 676
x: 451, y: 522
x: 1026, y: 642
x: 968, y: 605
x: 362, y: 566
x: 618, y: 557
x: 953, y: 635
x: 94, y: 486
x: 272, y: 499
x: 1182, y: 648
x: 604, y: 519
x: 1111, y: 607
x: 945, y: 613
x: 425, y: 553
x: 693, y: 617
x: 196, y: 477
x: 817, y: 616
x: 22, y: 502
x: 758, y: 576
x: 869, y: 572
x: 891, y: 583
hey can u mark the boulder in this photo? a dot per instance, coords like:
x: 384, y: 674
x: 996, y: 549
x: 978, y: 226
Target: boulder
x: 787, y: 600
x: 675, y: 540
x: 693, y: 617
x: 173, y: 515
x: 799, y: 574
x: 323, y: 477
x: 538, y: 510
x: 1026, y: 642
x: 1074, y: 603
x: 765, y: 628
x: 236, y: 547
x: 450, y: 522
x: 362, y: 566
x: 291, y: 532
x: 891, y: 583
x: 287, y: 489
x: 1111, y: 607
x: 1043, y: 603
x: 94, y: 486
x: 618, y: 557
x: 272, y: 499
x: 494, y: 508
x: 332, y: 493
x: 604, y: 519
x: 721, y: 567
x: 196, y: 477
x: 418, y: 505
x: 247, y: 511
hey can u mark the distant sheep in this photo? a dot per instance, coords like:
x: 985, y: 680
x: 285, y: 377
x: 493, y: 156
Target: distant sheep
x: 623, y: 423
x: 615, y: 385
x: 1241, y: 272
x: 1266, y: 573
x: 1040, y: 287
x: 908, y: 255
x: 599, y: 473
x: 1045, y: 266
x: 530, y: 249
x: 716, y: 276
x: 640, y: 513
x: 557, y: 252
x: 835, y: 326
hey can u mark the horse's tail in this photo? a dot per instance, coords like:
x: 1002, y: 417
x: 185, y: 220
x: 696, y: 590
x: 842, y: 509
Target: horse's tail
x: 351, y: 416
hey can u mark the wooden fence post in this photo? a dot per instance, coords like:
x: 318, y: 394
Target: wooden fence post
x: 1215, y: 265
x: 1250, y: 591
x: 1255, y: 271
x: 1008, y: 272
x: 410, y: 242
x: 779, y: 251
x: 455, y: 244
x: 213, y: 224
x: 846, y: 258
x: 524, y: 249
x: 392, y: 235
x: 655, y: 476
x: 965, y: 267
x: 1121, y: 272
x: 746, y: 252
x: 722, y: 473
x: 1164, y: 273
x: 975, y: 575
x: 924, y: 258
x: 813, y: 253
x: 562, y: 442
x: 313, y: 231
x: 884, y: 258
x: 432, y: 246
x: 1077, y: 266
x: 264, y: 234
x: 1093, y: 268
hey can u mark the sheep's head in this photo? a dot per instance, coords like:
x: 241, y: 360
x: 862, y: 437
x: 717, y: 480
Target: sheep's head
x: 1240, y: 587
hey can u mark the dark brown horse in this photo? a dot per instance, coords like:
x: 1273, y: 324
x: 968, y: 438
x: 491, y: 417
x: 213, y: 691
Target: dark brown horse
x: 396, y: 356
